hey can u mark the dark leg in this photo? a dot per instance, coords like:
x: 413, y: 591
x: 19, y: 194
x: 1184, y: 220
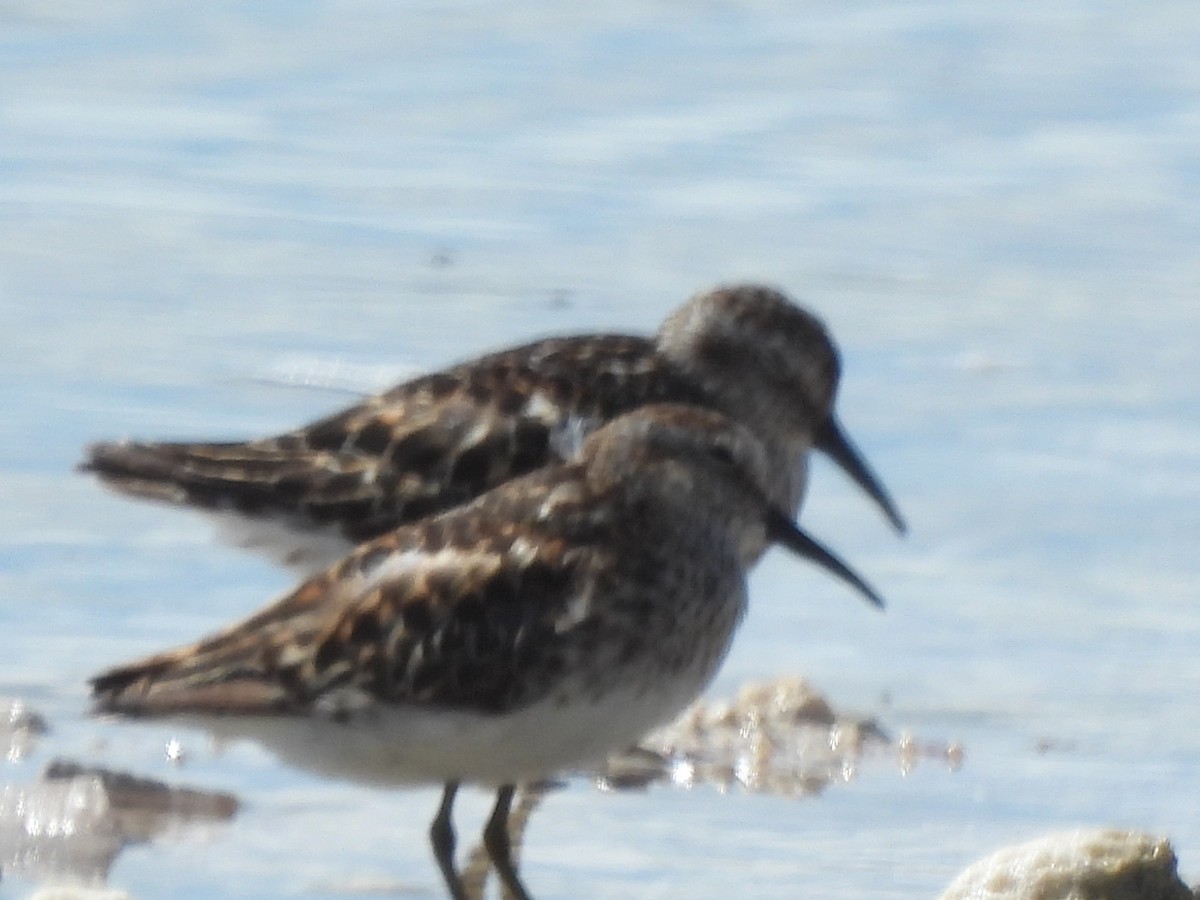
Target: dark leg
x: 441, y: 836
x: 495, y: 839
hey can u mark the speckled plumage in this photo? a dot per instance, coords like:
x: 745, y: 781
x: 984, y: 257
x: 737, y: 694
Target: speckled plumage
x: 442, y: 439
x: 554, y: 619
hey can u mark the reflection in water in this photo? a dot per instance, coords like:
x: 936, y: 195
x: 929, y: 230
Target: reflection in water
x: 777, y: 737
x: 782, y: 737
x: 479, y: 863
x: 72, y: 823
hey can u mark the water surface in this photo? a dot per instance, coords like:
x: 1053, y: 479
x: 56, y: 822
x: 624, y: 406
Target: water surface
x: 994, y: 206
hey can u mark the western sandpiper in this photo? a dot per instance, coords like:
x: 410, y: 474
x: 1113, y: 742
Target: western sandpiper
x: 438, y: 441
x: 555, y: 618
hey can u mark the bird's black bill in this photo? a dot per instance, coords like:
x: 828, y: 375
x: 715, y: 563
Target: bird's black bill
x: 831, y: 440
x: 784, y: 531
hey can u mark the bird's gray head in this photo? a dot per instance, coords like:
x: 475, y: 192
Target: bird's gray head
x: 772, y: 365
x: 762, y: 357
x: 683, y: 449
x: 691, y: 467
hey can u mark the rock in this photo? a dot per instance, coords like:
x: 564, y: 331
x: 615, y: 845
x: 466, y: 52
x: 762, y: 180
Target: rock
x: 1076, y: 865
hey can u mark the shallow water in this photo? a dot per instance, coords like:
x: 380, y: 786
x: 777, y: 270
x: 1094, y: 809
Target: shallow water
x: 203, y: 209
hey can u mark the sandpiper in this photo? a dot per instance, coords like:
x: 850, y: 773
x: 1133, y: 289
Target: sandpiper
x: 309, y: 495
x: 555, y: 618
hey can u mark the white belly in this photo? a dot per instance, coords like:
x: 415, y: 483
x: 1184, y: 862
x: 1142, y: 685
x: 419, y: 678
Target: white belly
x: 409, y: 745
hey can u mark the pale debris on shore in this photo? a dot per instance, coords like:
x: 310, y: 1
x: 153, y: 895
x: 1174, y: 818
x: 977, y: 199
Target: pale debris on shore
x: 20, y: 727
x: 1076, y: 865
x: 777, y: 737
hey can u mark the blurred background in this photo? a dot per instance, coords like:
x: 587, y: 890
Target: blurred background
x: 220, y: 220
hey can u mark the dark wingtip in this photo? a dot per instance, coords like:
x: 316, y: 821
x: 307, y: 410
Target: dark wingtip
x: 118, y: 690
x: 105, y: 458
x: 833, y: 441
x: 782, y: 529
x: 107, y: 687
x: 91, y: 454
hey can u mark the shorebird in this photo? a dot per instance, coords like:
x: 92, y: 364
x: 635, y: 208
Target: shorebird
x: 555, y: 618
x: 440, y: 440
